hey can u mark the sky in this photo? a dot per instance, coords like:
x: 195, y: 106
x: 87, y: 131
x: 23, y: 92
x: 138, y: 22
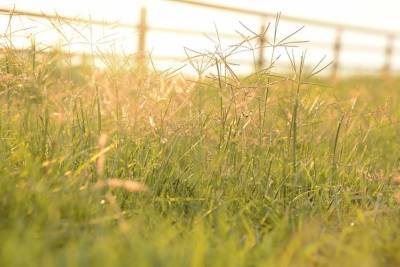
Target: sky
x: 382, y: 14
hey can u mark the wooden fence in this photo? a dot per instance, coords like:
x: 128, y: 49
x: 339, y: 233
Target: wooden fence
x: 143, y: 28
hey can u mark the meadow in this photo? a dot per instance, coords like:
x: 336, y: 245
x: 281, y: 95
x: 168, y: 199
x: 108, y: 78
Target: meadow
x: 127, y: 166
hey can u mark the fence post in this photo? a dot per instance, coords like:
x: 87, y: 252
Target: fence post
x: 388, y: 55
x: 263, y: 40
x: 142, y: 28
x: 337, y: 47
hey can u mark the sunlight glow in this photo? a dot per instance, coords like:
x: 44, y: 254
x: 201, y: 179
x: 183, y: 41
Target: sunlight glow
x: 168, y: 15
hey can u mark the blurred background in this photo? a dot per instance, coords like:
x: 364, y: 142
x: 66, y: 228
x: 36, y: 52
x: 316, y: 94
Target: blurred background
x: 358, y: 36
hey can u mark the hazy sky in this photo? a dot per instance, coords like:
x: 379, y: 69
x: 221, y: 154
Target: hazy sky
x: 382, y: 14
x: 377, y: 13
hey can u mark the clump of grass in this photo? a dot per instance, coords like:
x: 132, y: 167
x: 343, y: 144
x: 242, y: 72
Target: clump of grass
x: 261, y: 170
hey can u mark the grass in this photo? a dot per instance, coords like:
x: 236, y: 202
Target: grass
x: 127, y: 167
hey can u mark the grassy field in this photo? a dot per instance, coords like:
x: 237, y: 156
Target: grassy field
x: 128, y: 167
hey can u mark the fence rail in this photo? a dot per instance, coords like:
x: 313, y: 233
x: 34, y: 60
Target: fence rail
x: 143, y: 28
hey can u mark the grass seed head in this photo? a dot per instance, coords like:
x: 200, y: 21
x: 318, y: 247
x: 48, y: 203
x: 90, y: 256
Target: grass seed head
x: 396, y: 179
x: 128, y: 185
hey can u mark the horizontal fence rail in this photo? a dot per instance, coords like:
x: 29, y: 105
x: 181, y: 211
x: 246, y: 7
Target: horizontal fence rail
x: 142, y: 28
